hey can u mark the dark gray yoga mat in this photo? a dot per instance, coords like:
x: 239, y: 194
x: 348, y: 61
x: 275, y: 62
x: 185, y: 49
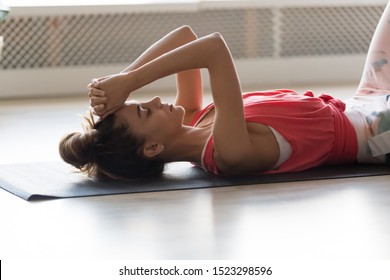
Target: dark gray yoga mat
x: 57, y: 180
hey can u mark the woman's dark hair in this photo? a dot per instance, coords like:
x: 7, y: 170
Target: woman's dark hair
x: 106, y: 151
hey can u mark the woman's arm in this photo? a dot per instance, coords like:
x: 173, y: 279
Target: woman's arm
x: 189, y: 83
x: 233, y: 147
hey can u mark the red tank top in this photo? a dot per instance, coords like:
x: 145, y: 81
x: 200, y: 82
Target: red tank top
x: 316, y: 128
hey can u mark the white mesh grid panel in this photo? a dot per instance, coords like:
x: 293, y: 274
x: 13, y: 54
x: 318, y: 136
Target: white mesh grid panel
x: 104, y: 39
x: 119, y: 38
x: 327, y: 30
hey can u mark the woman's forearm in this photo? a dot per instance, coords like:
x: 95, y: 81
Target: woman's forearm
x: 172, y: 40
x: 193, y: 55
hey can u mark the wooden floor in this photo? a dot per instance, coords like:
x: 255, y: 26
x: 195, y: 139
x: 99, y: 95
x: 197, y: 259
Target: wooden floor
x: 329, y: 219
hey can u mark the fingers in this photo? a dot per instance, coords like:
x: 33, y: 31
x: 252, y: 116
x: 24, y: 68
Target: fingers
x: 102, y: 110
x: 97, y: 98
x: 94, y: 83
x: 99, y: 110
x: 96, y: 92
x: 107, y: 113
x: 95, y: 101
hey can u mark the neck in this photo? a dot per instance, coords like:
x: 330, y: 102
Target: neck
x: 188, y: 146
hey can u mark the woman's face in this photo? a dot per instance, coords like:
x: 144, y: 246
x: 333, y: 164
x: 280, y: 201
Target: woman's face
x: 152, y: 120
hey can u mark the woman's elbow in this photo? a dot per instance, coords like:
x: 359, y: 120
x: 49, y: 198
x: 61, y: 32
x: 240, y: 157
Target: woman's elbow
x: 217, y: 45
x: 187, y: 32
x: 217, y: 35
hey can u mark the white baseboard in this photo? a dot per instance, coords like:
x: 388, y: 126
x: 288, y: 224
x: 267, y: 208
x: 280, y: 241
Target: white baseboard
x: 57, y: 82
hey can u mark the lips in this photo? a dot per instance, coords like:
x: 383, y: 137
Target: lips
x: 168, y: 107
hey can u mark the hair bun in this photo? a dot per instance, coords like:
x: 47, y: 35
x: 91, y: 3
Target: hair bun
x: 77, y: 149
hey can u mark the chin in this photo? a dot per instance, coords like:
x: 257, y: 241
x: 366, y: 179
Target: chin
x: 179, y: 109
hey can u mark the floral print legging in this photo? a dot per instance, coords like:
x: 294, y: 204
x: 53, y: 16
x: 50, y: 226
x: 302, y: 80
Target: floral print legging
x: 369, y: 108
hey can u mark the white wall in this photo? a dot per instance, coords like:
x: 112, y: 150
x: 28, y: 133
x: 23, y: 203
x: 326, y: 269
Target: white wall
x: 261, y: 71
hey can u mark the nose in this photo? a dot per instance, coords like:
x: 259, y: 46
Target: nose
x: 154, y: 102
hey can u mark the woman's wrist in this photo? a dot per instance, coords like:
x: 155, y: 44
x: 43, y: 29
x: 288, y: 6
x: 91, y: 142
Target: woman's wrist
x: 129, y: 81
x: 137, y: 78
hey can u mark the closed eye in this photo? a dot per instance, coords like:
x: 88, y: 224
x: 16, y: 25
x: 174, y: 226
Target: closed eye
x: 140, y: 109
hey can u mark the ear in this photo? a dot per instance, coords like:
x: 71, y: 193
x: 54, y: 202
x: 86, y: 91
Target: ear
x: 152, y: 149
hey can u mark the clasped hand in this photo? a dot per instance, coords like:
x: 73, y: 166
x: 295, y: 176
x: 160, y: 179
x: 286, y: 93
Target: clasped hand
x: 108, y: 94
